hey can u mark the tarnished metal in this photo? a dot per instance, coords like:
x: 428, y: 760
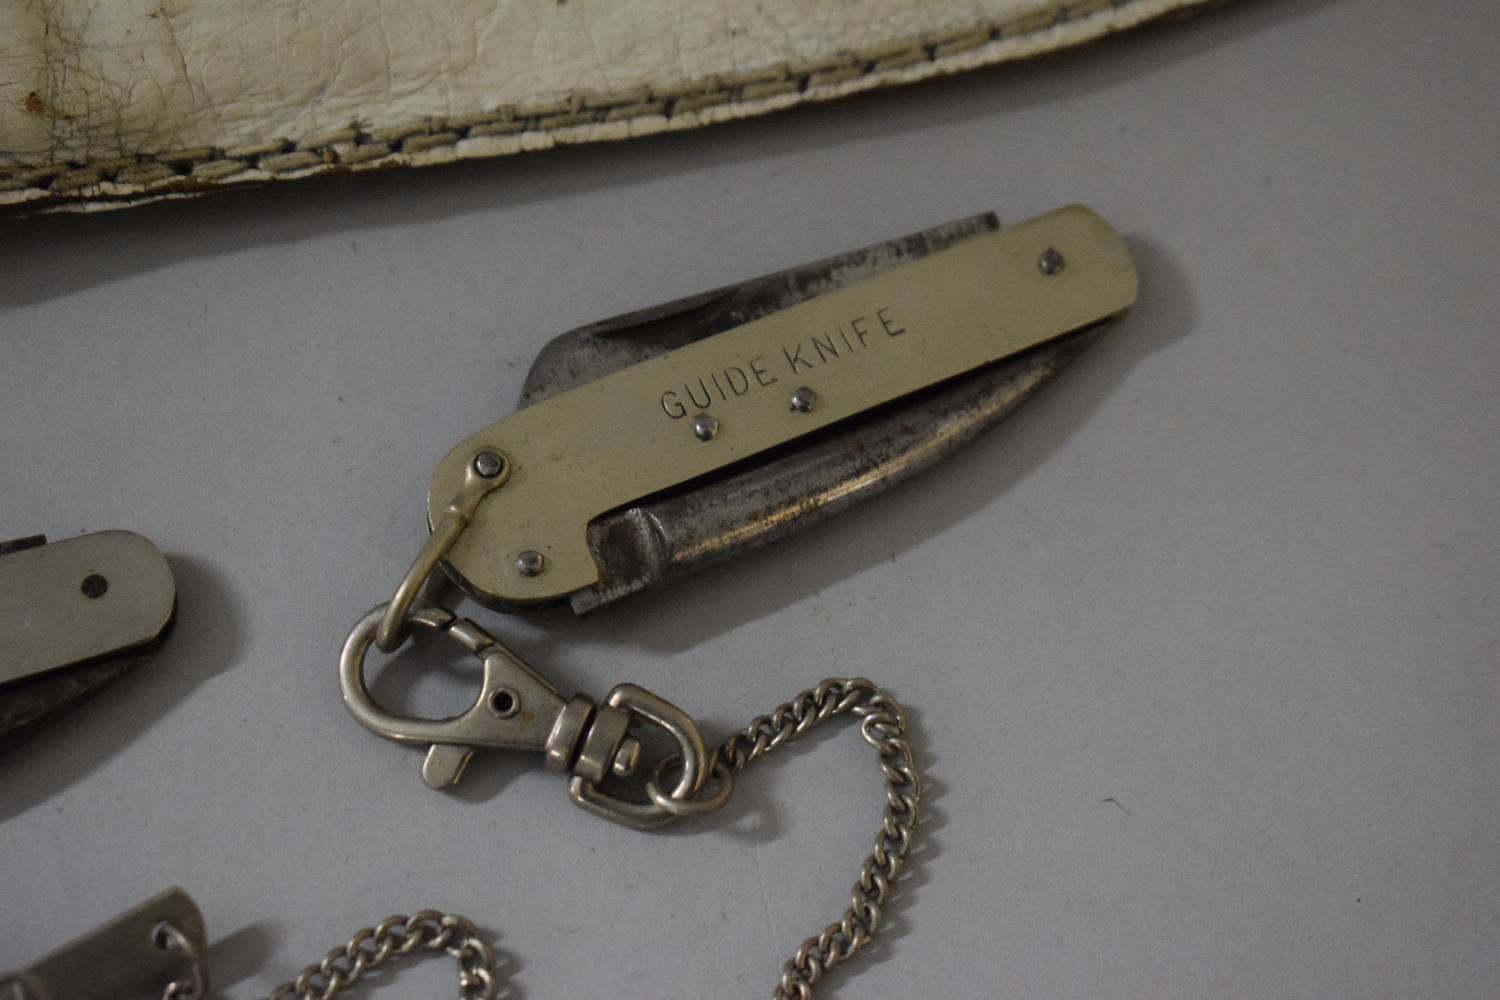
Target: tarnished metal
x: 153, y: 950
x: 646, y: 544
x: 649, y: 543
x: 669, y: 537
x: 721, y: 494
x: 75, y: 615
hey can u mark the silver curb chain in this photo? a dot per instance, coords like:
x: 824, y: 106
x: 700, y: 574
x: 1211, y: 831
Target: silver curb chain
x: 372, y: 947
x: 883, y: 725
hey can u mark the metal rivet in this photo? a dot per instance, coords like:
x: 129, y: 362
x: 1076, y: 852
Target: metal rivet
x: 1051, y: 261
x: 705, y: 427
x: 504, y: 702
x: 803, y: 399
x: 488, y: 464
x: 530, y: 563
x: 93, y: 586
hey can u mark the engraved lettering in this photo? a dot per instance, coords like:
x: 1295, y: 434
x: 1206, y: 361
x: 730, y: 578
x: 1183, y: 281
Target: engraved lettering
x: 821, y: 345
x: 885, y: 321
x: 858, y: 330
x: 794, y: 358
x: 744, y: 383
x: 804, y: 352
x: 762, y: 376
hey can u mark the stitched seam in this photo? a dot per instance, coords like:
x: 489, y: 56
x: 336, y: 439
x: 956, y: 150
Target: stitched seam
x: 351, y: 146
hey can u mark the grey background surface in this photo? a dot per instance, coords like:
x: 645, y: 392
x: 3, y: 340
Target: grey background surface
x: 1201, y: 644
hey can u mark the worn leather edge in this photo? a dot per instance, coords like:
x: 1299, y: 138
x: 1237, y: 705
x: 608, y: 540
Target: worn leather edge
x: 147, y: 177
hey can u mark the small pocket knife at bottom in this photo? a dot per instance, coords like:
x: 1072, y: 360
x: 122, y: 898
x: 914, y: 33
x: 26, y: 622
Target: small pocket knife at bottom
x: 154, y: 950
x: 74, y: 616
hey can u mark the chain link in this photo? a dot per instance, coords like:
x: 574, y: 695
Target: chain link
x: 167, y: 936
x: 883, y: 726
x: 372, y: 947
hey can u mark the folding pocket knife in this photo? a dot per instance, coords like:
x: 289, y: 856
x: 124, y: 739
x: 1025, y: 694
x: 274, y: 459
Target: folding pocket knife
x: 74, y: 616
x: 660, y: 441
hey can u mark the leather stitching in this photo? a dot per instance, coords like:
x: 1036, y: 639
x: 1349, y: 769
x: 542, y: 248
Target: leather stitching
x: 353, y: 147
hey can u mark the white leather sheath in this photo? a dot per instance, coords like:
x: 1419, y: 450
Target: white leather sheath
x: 123, y: 101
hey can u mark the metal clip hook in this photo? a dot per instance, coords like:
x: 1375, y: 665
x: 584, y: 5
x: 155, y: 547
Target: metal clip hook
x: 518, y: 709
x: 487, y: 471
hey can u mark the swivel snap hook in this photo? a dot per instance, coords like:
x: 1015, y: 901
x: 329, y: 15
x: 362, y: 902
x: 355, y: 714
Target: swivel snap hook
x: 518, y: 709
